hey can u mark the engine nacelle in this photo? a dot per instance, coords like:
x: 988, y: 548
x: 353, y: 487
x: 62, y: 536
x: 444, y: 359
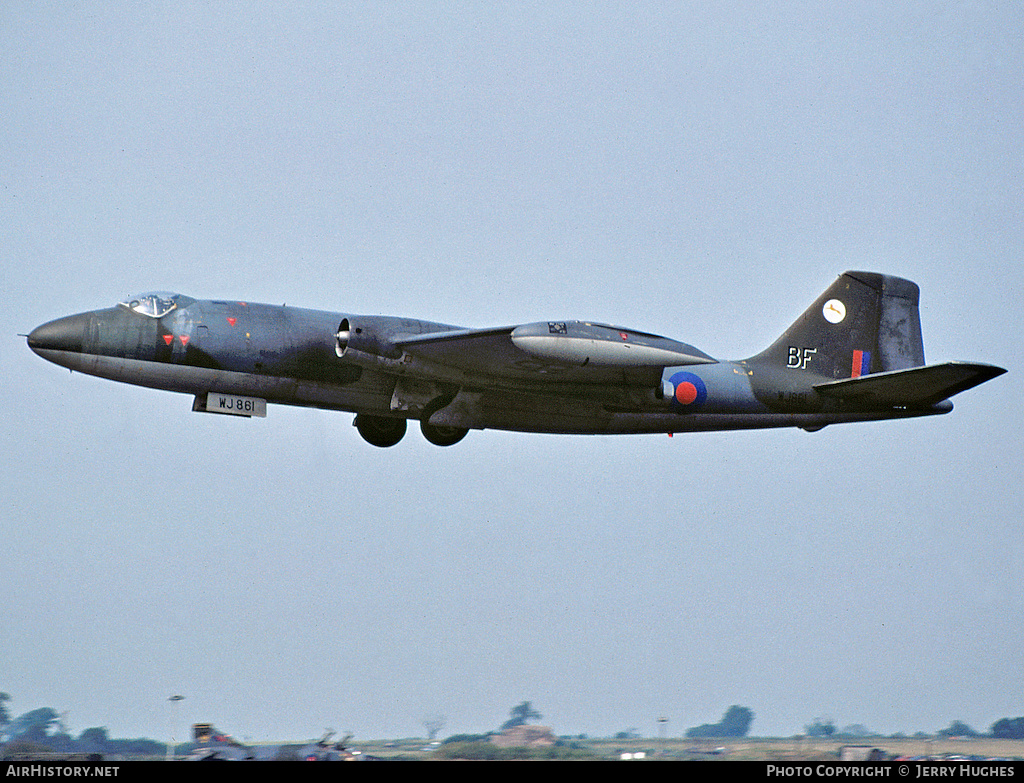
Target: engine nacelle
x: 358, y: 335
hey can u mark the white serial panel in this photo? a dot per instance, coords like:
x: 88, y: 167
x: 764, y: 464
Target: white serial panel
x: 234, y: 405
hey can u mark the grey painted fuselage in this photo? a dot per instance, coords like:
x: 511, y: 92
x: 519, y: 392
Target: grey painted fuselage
x: 554, y: 377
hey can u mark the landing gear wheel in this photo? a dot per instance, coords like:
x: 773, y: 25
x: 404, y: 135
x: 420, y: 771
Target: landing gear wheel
x: 440, y: 435
x: 380, y: 430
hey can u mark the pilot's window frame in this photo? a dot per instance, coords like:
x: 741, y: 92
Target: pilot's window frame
x: 152, y: 305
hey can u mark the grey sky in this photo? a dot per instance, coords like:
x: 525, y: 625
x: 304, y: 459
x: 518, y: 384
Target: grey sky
x: 695, y: 171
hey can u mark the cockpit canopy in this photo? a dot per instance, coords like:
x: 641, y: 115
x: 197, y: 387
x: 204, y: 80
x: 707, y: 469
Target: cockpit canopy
x: 155, y: 304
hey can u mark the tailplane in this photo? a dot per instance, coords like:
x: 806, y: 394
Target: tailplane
x: 917, y: 387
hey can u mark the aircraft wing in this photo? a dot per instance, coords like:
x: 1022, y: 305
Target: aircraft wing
x: 917, y: 386
x: 559, y: 351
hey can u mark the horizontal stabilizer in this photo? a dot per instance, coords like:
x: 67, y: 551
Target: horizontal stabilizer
x: 917, y: 386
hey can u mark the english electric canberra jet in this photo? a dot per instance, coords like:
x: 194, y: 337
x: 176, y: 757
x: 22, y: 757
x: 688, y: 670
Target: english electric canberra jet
x: 855, y: 355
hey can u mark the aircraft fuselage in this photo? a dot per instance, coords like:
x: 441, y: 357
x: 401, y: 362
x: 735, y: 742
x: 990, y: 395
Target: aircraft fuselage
x: 555, y: 377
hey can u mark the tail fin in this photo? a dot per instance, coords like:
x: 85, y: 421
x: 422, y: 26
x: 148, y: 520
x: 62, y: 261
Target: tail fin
x: 864, y: 323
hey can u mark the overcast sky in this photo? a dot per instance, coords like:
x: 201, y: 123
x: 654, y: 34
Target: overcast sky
x: 698, y: 170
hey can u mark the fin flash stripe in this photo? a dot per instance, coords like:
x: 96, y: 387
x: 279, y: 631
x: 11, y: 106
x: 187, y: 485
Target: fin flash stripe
x: 861, y: 364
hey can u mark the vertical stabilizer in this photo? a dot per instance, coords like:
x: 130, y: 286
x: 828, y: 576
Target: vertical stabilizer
x: 864, y: 323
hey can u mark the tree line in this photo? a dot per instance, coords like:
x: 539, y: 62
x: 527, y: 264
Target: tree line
x: 43, y: 729
x: 1004, y: 728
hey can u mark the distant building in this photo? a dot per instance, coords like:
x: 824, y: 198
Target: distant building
x: 525, y: 737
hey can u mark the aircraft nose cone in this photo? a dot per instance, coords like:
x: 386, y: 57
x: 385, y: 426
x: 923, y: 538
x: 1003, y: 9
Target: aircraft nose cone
x: 64, y: 334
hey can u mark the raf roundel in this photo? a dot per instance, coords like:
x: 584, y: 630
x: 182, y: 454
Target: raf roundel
x: 688, y: 391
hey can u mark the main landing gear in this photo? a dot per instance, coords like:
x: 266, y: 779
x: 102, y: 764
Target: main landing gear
x: 384, y: 431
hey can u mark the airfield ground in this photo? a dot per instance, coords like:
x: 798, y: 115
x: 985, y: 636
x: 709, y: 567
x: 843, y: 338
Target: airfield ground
x: 746, y: 749
x: 670, y: 749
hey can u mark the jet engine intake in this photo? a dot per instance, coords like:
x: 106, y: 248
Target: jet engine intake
x: 356, y: 336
